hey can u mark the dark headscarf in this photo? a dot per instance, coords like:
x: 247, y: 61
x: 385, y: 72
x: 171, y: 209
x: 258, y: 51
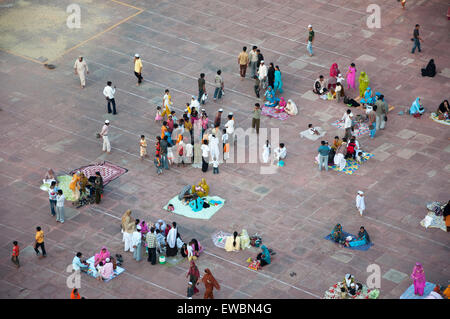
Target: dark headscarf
x: 446, y: 209
x: 443, y: 108
x: 430, y: 70
x: 364, y: 233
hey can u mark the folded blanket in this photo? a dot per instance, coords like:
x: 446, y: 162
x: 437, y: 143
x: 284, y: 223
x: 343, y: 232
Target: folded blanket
x: 220, y: 238
x: 363, y: 247
x: 313, y: 137
x: 433, y: 221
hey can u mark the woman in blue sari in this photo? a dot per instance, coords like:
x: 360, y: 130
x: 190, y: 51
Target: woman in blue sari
x: 277, y: 86
x: 264, y: 256
x: 337, y: 234
x: 368, y: 99
x: 416, y: 109
x: 270, y: 97
x: 362, y: 239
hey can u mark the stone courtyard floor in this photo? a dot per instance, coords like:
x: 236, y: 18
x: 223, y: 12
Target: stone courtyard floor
x: 46, y: 120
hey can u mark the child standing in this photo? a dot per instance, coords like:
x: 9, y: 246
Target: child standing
x: 158, y: 164
x: 216, y: 166
x: 60, y: 206
x: 360, y: 205
x: 158, y: 117
x: 15, y: 254
x: 143, y: 147
x: 190, y: 290
x: 359, y: 157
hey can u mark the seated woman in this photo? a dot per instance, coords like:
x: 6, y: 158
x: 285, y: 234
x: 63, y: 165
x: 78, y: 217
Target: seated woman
x: 430, y: 69
x: 233, y: 243
x: 362, y: 239
x: 368, y: 98
x: 202, y: 189
x: 281, y: 106
x: 84, y: 182
x: 416, y: 109
x: 264, y: 256
x: 291, y: 108
x: 270, y: 97
x: 161, y: 225
x: 443, y: 111
x: 101, y: 256
x: 319, y: 86
x: 337, y: 234
x: 197, y: 248
x: 348, y: 281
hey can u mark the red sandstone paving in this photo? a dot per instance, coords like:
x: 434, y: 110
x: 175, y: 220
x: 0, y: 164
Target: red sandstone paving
x: 46, y: 121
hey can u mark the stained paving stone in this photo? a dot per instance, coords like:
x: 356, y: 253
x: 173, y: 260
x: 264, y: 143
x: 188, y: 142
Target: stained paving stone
x: 366, y: 58
x: 342, y: 256
x: 405, y: 153
x: 310, y: 95
x: 395, y: 276
x: 406, y: 134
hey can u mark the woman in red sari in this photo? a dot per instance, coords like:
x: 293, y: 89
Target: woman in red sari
x: 334, y: 72
x: 194, y: 275
x: 210, y: 283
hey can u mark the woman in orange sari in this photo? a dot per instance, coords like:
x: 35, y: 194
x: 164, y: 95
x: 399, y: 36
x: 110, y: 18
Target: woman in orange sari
x: 210, y: 283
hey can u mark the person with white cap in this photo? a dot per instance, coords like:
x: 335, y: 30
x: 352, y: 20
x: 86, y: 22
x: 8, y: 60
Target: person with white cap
x: 262, y: 74
x: 360, y: 205
x: 104, y: 135
x: 136, y: 243
x: 138, y: 68
x: 310, y: 40
x: 81, y: 69
x: 218, y: 82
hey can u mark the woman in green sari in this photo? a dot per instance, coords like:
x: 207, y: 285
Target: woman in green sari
x: 337, y: 234
x: 363, y: 83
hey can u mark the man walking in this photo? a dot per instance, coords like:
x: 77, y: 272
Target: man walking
x: 138, y: 68
x: 52, y: 197
x: 324, y: 151
x: 109, y: 92
x: 151, y: 245
x: 39, y: 242
x: 310, y: 40
x: 253, y: 61
x: 81, y: 68
x: 243, y: 61
x: 416, y: 38
x: 104, y: 135
x: 347, y: 118
x: 201, y: 88
x: 218, y: 82
x: 256, y: 117
x: 382, y: 111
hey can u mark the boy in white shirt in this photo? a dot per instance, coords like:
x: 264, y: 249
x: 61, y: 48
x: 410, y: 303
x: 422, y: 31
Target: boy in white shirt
x: 60, y: 206
x: 215, y: 166
x: 360, y: 205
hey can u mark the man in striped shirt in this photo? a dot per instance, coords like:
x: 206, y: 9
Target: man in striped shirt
x: 151, y: 245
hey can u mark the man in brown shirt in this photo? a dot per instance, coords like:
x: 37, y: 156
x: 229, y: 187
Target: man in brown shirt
x: 256, y: 117
x: 243, y: 61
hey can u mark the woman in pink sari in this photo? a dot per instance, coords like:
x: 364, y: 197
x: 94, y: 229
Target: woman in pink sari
x: 334, y: 72
x: 101, y: 256
x: 351, y: 76
x: 418, y: 275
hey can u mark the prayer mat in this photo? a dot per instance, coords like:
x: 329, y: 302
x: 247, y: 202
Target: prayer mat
x: 219, y: 239
x: 409, y: 293
x: 360, y: 128
x: 63, y: 184
x: 271, y: 112
x: 435, y: 118
x: 108, y: 171
x: 351, y: 166
x: 204, y: 213
x: 313, y: 137
x: 93, y: 272
x: 334, y: 292
x: 433, y: 221
x: 362, y: 247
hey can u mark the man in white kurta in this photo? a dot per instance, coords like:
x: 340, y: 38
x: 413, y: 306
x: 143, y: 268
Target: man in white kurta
x: 360, y: 205
x: 81, y: 69
x: 136, y: 243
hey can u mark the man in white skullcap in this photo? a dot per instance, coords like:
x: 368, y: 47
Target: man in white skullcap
x: 138, y: 68
x: 104, y: 135
x: 310, y: 40
x: 80, y: 67
x: 136, y: 243
x: 360, y: 205
x: 262, y: 75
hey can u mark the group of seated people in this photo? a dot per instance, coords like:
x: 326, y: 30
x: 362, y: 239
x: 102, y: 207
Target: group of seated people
x: 241, y: 241
x: 104, y: 264
x: 279, y: 104
x: 341, y: 150
x: 338, y: 236
x: 84, y: 188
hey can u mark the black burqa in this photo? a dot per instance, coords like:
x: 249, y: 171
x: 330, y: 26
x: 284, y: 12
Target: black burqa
x: 430, y: 70
x: 271, y: 75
